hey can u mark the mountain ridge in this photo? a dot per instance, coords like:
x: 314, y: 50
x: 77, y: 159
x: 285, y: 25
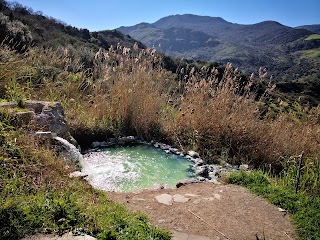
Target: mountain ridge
x: 289, y: 55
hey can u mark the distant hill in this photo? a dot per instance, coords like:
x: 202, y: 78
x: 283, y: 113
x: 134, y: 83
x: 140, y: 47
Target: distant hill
x: 289, y: 54
x: 39, y: 30
x: 315, y: 28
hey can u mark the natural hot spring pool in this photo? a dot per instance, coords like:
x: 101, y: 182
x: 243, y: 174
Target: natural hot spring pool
x: 133, y: 167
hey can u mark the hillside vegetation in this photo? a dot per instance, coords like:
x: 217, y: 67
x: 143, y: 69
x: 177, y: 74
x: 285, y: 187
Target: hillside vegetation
x: 120, y: 89
x: 269, y: 44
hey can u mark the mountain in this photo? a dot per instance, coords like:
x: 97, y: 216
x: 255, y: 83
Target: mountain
x: 260, y: 33
x: 290, y: 55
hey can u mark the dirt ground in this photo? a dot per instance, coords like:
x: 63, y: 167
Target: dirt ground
x: 212, y: 212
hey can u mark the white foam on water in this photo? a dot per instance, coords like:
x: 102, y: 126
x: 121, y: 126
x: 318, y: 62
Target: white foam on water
x: 107, y: 172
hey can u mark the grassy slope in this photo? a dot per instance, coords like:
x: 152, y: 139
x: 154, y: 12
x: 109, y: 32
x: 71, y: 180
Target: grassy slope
x: 313, y: 37
x: 38, y: 196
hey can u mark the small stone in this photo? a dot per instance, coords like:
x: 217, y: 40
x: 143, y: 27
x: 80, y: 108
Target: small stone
x: 77, y: 174
x: 281, y: 210
x: 191, y: 195
x: 215, y: 181
x: 193, y: 154
x: 180, y: 198
x: 46, y: 134
x: 164, y: 146
x: 217, y: 196
x: 244, y: 167
x: 201, y: 179
x: 173, y: 150
x: 138, y: 199
x: 161, y: 221
x: 166, y: 199
x: 199, y: 162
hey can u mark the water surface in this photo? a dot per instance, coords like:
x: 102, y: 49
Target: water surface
x: 133, y: 167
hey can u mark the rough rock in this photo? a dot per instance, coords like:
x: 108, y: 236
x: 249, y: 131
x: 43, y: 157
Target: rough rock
x: 186, y: 182
x: 174, y: 150
x: 203, y: 171
x: 24, y: 118
x: 164, y: 146
x: 47, y: 116
x: 127, y: 139
x: 166, y: 199
x: 50, y: 117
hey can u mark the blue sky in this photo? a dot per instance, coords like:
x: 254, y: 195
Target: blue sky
x: 109, y: 14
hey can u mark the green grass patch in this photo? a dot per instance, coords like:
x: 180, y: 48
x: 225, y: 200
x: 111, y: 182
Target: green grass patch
x: 37, y: 196
x: 305, y: 209
x: 314, y: 54
x: 313, y: 37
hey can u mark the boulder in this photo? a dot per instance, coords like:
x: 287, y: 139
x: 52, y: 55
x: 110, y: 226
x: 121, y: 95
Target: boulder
x: 47, y: 116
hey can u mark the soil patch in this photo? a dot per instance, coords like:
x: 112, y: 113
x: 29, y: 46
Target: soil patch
x: 210, y: 211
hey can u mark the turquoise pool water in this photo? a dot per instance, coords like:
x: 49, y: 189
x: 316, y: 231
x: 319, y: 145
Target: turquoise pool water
x: 133, y: 167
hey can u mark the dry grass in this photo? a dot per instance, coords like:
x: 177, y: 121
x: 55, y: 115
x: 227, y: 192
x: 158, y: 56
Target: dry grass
x: 127, y: 92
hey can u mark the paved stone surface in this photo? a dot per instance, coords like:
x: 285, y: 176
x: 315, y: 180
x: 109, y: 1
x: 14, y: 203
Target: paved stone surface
x: 166, y: 199
x: 180, y: 198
